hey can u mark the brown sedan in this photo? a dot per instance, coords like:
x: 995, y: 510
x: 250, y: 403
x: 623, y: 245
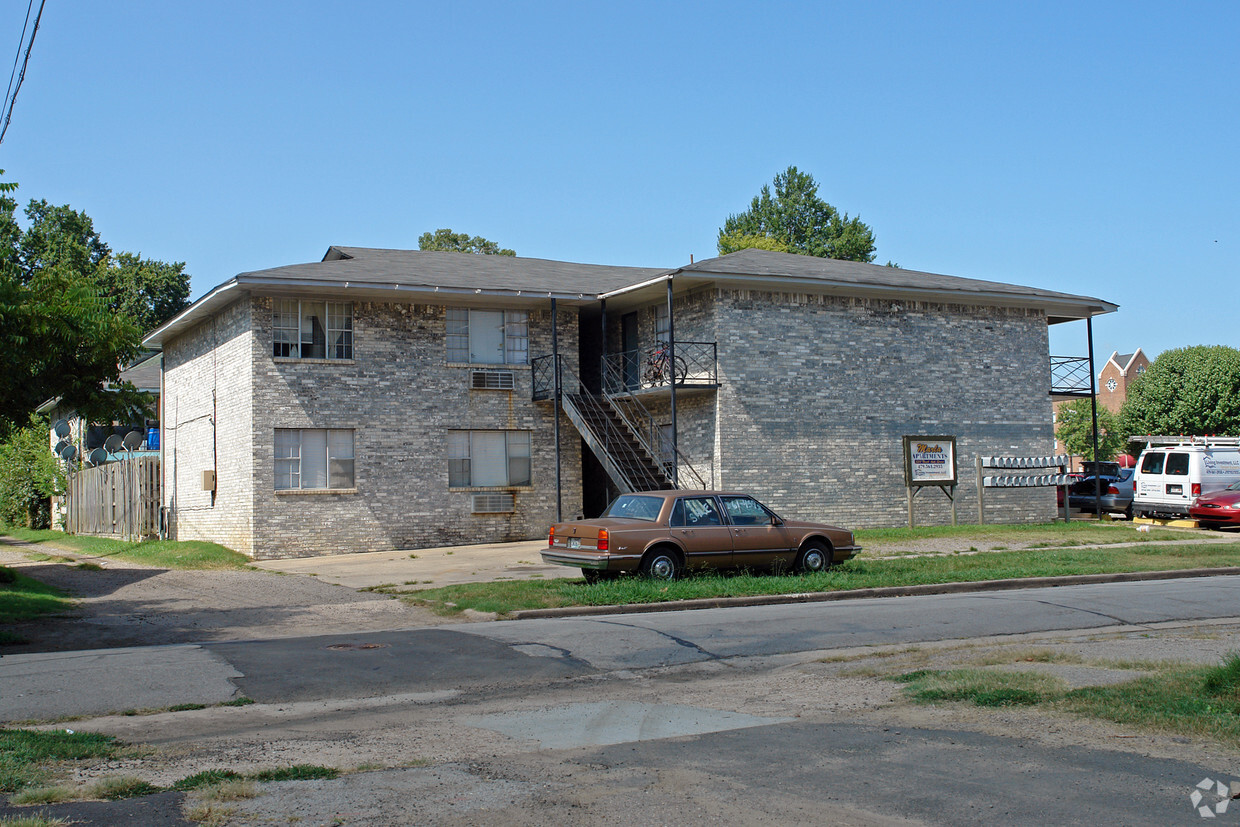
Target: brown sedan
x: 663, y: 533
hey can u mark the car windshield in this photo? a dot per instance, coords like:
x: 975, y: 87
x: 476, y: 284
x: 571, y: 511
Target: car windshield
x: 1235, y: 486
x: 633, y: 507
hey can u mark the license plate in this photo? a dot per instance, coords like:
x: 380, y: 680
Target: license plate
x: 1175, y: 489
x: 574, y: 542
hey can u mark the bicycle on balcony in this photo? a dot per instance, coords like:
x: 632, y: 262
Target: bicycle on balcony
x: 661, y: 368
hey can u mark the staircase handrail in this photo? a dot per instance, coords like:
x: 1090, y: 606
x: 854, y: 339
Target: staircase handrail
x: 652, y: 426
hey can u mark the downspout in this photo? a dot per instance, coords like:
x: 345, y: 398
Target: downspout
x: 602, y: 359
x: 1093, y: 406
x: 671, y: 372
x: 555, y: 412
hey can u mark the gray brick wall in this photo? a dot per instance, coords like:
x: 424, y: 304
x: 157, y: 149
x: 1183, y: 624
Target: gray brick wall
x: 207, y: 420
x: 817, y: 392
x: 401, y: 397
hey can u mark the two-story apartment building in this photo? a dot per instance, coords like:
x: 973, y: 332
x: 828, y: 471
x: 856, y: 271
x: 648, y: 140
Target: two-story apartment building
x: 383, y: 399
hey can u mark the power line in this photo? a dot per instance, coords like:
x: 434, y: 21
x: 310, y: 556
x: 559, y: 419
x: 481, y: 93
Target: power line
x: 10, y: 99
x: 18, y: 56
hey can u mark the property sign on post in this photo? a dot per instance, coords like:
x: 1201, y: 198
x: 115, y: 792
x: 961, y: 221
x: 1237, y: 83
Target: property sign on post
x: 929, y: 460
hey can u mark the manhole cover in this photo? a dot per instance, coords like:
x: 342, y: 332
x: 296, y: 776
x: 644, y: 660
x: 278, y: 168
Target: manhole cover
x: 347, y: 647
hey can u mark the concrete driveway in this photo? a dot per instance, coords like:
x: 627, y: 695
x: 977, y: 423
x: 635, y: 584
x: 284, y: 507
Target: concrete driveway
x: 427, y: 567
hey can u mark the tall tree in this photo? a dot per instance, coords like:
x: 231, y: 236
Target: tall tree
x: 445, y: 240
x: 149, y: 292
x: 60, y: 333
x: 796, y: 218
x: 1074, y: 427
x: 1188, y: 390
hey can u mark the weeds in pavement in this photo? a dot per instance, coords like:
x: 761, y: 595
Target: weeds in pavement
x: 1174, y: 697
x: 117, y: 787
x: 28, y: 756
x: 44, y: 795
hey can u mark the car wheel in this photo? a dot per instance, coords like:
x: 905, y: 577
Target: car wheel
x: 593, y: 576
x: 814, y: 557
x: 1128, y: 512
x: 661, y: 564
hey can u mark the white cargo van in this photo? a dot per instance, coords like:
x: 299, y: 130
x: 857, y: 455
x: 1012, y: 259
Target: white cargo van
x: 1170, y: 477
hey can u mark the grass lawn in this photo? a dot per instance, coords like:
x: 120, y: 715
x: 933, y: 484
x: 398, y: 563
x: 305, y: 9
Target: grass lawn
x: 24, y: 599
x: 1197, y: 700
x: 981, y: 538
x: 168, y: 554
x: 859, y: 573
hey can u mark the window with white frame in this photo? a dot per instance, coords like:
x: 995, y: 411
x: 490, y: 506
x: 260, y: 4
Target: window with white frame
x: 302, y: 329
x: 662, y: 324
x: 488, y: 337
x: 488, y: 459
x: 314, y: 459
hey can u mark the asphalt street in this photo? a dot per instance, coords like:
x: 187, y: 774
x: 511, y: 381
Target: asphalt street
x: 475, y: 655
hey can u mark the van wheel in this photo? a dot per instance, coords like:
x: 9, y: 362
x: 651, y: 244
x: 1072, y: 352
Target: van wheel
x: 661, y: 564
x: 813, y: 558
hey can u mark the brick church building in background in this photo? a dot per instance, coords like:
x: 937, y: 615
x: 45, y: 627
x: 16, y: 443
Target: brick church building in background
x: 1120, y: 371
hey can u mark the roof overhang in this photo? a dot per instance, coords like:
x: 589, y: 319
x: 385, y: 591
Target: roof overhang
x: 1059, y: 308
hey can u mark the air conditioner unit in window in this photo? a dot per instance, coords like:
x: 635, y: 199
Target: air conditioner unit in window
x: 492, y: 380
x: 494, y: 503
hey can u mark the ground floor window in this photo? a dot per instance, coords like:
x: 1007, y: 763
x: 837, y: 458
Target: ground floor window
x: 314, y: 458
x: 483, y: 459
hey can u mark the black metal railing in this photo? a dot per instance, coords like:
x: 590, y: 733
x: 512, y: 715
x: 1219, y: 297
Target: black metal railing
x: 639, y: 425
x: 1070, y: 376
x: 694, y: 364
x: 542, y: 368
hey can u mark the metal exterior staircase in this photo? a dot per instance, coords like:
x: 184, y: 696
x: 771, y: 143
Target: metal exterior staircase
x: 623, y: 437
x: 630, y: 467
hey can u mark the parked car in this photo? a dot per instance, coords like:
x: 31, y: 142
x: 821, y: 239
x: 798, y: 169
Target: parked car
x: 1218, y: 509
x: 1117, y: 493
x: 1171, y: 478
x: 661, y: 534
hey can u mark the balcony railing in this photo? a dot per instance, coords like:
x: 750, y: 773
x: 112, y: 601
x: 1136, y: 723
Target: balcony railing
x: 1070, y: 376
x: 542, y: 369
x: 695, y: 364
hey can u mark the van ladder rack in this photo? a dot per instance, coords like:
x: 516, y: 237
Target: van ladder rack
x: 1206, y: 441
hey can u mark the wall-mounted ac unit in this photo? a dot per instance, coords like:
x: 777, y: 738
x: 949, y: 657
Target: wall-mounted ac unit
x: 494, y: 503
x: 492, y: 380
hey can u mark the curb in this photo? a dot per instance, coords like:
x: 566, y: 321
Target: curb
x: 861, y: 594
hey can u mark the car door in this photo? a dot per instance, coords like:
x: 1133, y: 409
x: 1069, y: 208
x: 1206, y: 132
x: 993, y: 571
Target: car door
x: 759, y: 538
x: 698, y: 524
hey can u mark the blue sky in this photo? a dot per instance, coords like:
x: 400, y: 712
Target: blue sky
x: 1083, y: 147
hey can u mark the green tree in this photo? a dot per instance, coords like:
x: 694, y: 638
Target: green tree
x: 1189, y: 390
x: 447, y: 241
x: 798, y: 219
x: 61, y: 336
x: 1075, y: 429
x: 149, y: 292
x: 29, y: 476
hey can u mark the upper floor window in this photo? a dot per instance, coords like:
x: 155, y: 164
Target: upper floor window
x: 312, y: 329
x: 662, y: 324
x: 488, y: 337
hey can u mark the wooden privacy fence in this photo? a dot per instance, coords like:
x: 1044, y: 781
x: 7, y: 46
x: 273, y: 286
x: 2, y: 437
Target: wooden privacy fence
x: 119, y: 499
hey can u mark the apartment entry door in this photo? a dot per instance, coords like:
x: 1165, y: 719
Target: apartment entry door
x: 628, y: 347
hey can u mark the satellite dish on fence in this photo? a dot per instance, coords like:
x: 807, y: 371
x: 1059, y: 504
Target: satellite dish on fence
x: 113, y: 443
x: 69, y: 453
x: 133, y: 440
x: 98, y: 456
x: 61, y: 428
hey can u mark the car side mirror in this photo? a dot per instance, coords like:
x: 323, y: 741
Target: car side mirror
x: 776, y: 521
